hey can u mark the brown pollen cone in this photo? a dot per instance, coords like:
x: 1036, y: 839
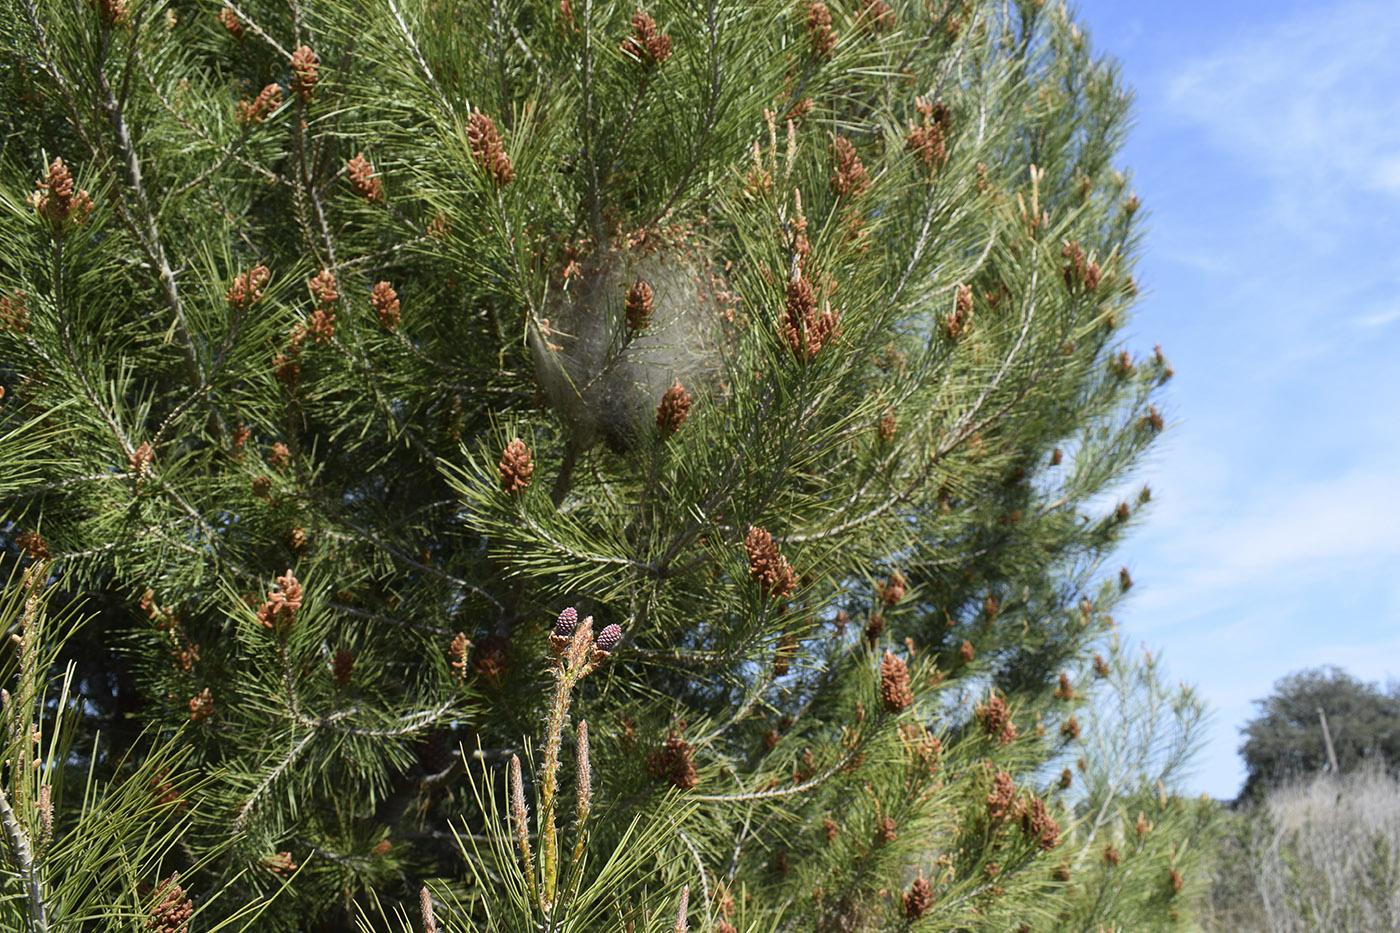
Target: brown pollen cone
x: 889, y: 426
x: 674, y: 762
x: 363, y: 180
x: 918, y: 899
x: 673, y: 410
x: 926, y: 137
x: 819, y: 29
x: 875, y: 627
x: 140, y: 460
x: 172, y: 912
x: 876, y: 14
x: 893, y: 589
x: 457, y: 656
x: 230, y: 22
x: 323, y: 287
x: 1001, y: 802
x: 639, y: 306
x: 767, y: 566
x: 110, y: 12
x: 894, y: 684
x: 307, y: 67
x: 515, y: 467
x: 343, y: 667
x: 804, y: 330
x: 280, y: 864
x: 14, y: 313
x: 283, y: 601
x: 247, y: 289
x: 993, y: 714
x: 491, y: 658
x: 927, y: 143
x: 320, y: 325
x: 647, y: 44
x: 484, y: 141
x: 201, y: 705
x: 268, y: 100
x: 386, y: 304
x: 1039, y: 826
x: 848, y: 177
x: 956, y: 325
x: 782, y: 658
x: 1075, y: 265
x: 55, y: 200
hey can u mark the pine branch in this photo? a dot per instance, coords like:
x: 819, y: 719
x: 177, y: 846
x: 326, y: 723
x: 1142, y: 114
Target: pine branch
x: 23, y: 857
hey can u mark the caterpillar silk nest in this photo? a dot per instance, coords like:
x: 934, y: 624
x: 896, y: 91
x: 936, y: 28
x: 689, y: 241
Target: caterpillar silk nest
x: 622, y: 328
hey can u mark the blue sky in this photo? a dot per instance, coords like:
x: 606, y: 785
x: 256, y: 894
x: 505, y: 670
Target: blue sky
x: 1267, y: 150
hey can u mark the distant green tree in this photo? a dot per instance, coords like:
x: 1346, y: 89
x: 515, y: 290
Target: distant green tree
x: 1285, y: 739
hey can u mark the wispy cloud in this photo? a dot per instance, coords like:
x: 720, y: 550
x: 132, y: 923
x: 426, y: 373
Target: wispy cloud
x: 1309, y: 102
x: 1223, y: 546
x: 1380, y: 318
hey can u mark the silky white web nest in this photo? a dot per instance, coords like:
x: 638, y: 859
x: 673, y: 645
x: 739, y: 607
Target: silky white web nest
x: 602, y: 379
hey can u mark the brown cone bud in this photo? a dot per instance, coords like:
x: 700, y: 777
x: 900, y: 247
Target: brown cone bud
x: 307, y: 66
x: 363, y: 180
x: 894, y: 684
x: 767, y: 566
x: 484, y: 141
x: 918, y: 899
x: 673, y: 410
x: 172, y: 912
x: 640, y: 303
x: 647, y: 44
x: 386, y: 304
x: 515, y: 467
x: 819, y: 30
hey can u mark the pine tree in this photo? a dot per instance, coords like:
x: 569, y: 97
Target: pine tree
x: 407, y: 386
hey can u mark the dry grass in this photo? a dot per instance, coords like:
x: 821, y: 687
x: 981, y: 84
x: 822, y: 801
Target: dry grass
x: 1320, y: 854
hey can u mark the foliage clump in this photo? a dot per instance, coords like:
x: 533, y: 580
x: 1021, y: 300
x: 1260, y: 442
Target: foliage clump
x: 346, y: 345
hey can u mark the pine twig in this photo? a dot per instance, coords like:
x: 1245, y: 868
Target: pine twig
x: 23, y: 857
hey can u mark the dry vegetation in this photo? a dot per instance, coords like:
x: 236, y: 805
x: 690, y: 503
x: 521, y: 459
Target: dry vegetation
x: 1315, y: 854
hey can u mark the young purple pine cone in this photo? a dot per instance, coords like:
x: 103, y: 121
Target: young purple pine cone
x: 609, y: 637
x: 562, y: 635
x: 564, y: 626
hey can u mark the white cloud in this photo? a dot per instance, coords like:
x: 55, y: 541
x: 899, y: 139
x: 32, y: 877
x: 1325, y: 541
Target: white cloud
x: 1284, y: 535
x: 1388, y: 175
x: 1310, y: 103
x: 1379, y: 319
